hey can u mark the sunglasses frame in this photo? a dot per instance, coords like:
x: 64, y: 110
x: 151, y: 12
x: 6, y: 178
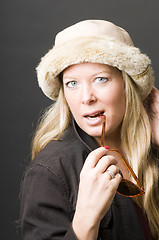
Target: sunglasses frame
x: 138, y: 186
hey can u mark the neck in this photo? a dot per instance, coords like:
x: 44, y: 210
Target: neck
x: 112, y: 142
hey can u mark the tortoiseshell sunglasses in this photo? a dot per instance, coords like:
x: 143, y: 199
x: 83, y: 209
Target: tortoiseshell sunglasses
x: 126, y: 188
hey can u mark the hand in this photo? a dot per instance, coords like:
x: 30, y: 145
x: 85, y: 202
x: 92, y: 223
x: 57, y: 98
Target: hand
x: 96, y: 192
x: 152, y: 102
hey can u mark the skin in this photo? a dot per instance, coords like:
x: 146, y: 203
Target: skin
x: 90, y: 88
x: 153, y: 103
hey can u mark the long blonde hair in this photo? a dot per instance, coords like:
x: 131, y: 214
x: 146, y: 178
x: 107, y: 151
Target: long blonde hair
x: 136, y: 142
x: 52, y: 124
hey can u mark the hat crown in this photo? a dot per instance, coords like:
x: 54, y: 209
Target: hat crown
x: 94, y: 28
x: 95, y: 41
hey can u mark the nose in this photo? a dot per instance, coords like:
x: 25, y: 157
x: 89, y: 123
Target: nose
x: 88, y: 95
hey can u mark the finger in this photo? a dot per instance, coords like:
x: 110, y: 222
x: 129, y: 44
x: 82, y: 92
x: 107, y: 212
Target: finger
x: 112, y: 171
x: 105, y: 162
x: 94, y: 157
x: 117, y: 178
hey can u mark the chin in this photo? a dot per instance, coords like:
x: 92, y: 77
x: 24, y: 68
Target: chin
x: 95, y: 133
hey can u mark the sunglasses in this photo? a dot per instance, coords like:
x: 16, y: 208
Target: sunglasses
x: 126, y: 188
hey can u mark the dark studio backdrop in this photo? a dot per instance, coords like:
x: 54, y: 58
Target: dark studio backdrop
x: 28, y: 28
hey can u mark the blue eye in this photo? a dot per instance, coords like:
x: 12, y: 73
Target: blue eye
x: 101, y: 79
x: 72, y: 84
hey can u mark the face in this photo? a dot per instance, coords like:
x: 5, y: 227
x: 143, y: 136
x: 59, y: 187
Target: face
x: 92, y: 89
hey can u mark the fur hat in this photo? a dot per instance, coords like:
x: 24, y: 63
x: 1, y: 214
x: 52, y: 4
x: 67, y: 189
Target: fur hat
x: 95, y: 41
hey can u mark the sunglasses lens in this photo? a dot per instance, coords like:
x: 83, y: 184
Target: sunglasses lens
x: 129, y: 189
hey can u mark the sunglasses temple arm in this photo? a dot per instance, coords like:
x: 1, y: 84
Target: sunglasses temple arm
x: 124, y: 160
x: 129, y: 168
x: 103, y: 132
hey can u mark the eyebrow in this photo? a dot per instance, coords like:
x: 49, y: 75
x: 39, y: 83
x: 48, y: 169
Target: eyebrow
x: 100, y: 73
x: 93, y: 75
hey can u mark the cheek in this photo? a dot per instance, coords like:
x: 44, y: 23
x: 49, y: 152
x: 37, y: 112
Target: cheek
x: 120, y: 102
x: 113, y: 99
x: 115, y: 102
x: 67, y: 96
x: 120, y: 106
x: 71, y: 101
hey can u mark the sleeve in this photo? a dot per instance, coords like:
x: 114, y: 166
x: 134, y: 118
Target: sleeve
x: 45, y: 212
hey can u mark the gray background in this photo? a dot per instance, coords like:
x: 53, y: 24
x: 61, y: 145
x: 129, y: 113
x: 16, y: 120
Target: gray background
x: 28, y: 28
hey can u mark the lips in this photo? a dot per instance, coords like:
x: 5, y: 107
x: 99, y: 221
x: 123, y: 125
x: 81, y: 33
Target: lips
x: 94, y: 119
x: 94, y: 115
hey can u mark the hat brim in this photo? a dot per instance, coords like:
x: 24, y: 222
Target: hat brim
x: 96, y: 50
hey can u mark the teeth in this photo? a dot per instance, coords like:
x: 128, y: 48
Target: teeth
x: 95, y: 115
x: 92, y: 116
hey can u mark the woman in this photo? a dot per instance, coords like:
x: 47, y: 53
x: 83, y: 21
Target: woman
x: 69, y: 191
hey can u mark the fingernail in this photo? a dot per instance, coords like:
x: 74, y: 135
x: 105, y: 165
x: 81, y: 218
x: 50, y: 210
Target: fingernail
x: 107, y: 147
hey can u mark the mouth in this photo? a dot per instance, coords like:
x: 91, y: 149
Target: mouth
x: 95, y: 115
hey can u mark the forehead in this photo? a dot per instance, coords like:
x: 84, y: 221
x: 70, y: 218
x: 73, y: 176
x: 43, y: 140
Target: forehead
x: 90, y: 68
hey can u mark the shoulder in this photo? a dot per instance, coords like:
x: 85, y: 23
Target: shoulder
x: 57, y: 168
x: 61, y: 156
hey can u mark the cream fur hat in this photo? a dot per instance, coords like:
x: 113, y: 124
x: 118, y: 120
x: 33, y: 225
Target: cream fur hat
x: 95, y: 41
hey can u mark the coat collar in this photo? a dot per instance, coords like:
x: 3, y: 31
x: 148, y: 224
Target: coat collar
x: 87, y: 140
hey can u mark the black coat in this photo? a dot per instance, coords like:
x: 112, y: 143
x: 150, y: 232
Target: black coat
x: 49, y: 193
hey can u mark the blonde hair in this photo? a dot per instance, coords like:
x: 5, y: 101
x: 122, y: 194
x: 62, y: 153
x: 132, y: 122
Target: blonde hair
x: 52, y: 124
x: 136, y: 142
